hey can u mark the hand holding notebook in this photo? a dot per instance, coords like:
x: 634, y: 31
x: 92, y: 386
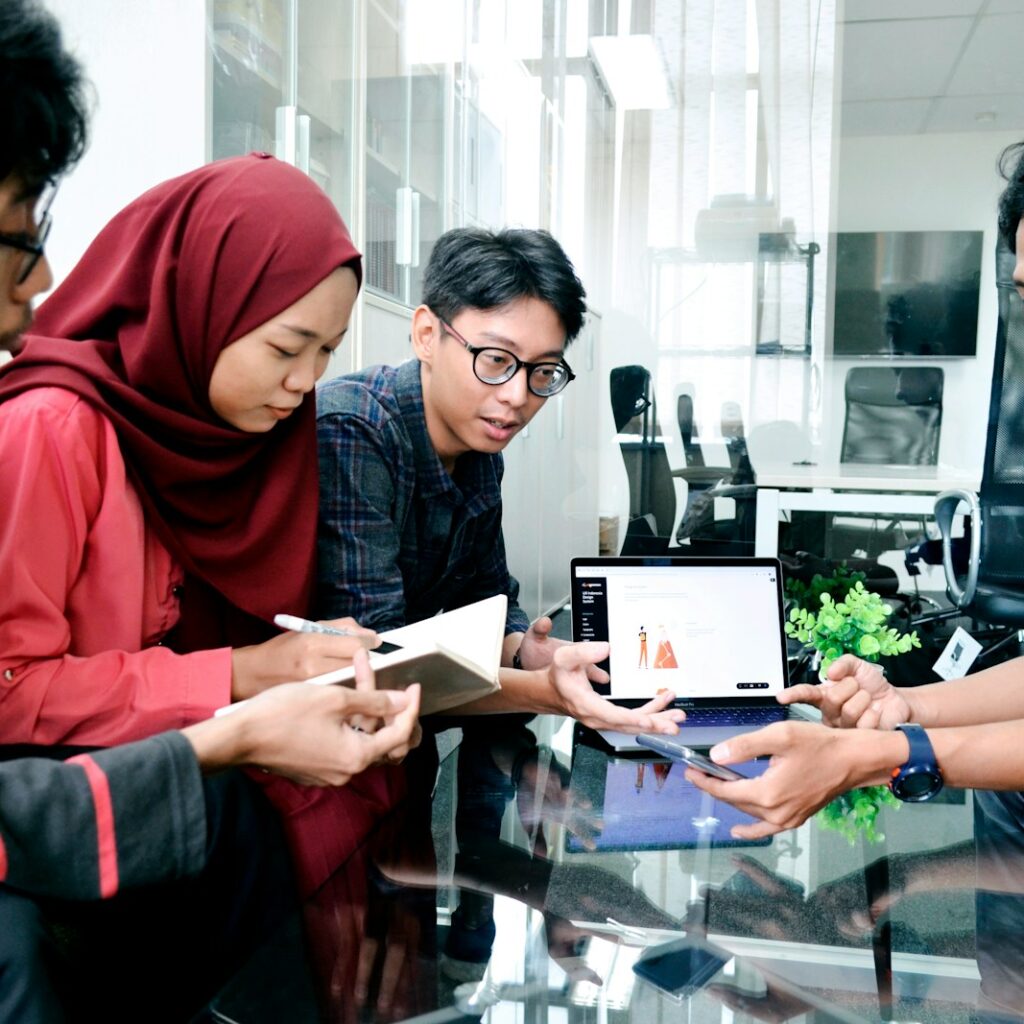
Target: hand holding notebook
x: 454, y: 656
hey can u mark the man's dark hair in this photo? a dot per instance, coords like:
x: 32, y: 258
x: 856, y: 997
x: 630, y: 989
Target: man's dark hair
x: 43, y: 112
x: 474, y: 269
x: 1011, y: 202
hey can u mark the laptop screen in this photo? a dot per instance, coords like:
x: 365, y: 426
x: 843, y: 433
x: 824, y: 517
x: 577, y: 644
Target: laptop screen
x: 703, y: 628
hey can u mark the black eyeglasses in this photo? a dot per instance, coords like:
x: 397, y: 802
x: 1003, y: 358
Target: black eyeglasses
x: 32, y: 245
x: 496, y: 366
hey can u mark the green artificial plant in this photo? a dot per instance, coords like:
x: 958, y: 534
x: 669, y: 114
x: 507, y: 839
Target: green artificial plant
x: 857, y: 624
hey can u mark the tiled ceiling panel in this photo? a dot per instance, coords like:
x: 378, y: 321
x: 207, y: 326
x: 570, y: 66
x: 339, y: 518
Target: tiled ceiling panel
x: 991, y: 63
x: 886, y: 10
x: 977, y: 114
x: 885, y: 117
x: 900, y: 59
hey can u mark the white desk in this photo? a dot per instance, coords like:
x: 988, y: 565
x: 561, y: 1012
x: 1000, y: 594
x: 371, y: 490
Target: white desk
x: 832, y: 487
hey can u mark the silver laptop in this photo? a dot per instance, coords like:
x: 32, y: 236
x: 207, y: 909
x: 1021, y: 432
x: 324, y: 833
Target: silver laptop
x: 708, y: 629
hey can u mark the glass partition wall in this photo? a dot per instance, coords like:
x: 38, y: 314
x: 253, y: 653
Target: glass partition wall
x: 697, y: 159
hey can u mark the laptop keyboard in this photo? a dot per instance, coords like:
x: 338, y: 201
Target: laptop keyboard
x: 734, y: 716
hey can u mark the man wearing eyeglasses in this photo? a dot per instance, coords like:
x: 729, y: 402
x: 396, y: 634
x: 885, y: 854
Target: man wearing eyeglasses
x: 411, y: 465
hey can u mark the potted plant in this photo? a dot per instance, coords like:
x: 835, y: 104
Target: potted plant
x: 857, y: 624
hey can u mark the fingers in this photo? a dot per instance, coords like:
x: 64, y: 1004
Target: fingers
x: 847, y: 665
x: 611, y: 716
x: 757, y: 830
x: 391, y: 973
x: 367, y: 956
x: 364, y: 683
x: 576, y: 656
x: 803, y: 693
x: 658, y: 703
x: 395, y: 738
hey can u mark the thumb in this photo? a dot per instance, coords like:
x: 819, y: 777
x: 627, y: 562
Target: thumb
x: 745, y: 747
x: 375, y: 703
x: 542, y: 627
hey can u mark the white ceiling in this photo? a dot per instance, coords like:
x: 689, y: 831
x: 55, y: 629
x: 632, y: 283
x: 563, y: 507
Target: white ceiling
x: 916, y: 66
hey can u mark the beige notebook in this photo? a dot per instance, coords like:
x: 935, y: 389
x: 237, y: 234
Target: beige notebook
x: 454, y: 656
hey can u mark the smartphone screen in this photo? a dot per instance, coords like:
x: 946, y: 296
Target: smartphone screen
x: 682, y: 969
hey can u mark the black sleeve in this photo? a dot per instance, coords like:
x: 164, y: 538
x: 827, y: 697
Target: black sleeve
x: 88, y: 827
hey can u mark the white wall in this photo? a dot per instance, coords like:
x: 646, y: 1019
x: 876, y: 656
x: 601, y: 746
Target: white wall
x: 920, y: 183
x: 147, y: 60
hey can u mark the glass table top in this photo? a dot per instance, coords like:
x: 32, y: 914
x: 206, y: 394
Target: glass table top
x: 542, y: 878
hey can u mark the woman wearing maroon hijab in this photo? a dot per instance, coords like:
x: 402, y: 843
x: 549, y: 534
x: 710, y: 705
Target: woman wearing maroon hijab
x: 158, y: 471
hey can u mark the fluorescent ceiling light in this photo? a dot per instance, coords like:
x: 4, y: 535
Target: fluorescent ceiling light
x: 633, y: 71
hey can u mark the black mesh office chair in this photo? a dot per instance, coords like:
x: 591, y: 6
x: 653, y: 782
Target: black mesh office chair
x: 652, y: 482
x: 652, y: 499
x: 993, y: 591
x: 893, y: 416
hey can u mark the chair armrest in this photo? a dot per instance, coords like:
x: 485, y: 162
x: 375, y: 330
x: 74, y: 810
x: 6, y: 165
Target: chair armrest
x: 946, y: 505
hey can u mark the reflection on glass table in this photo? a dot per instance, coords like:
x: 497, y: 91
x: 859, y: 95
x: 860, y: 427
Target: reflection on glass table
x: 527, y: 891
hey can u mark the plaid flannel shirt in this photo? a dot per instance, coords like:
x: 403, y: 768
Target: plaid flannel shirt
x: 400, y: 539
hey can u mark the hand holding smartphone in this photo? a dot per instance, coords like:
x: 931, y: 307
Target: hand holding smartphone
x: 671, y: 748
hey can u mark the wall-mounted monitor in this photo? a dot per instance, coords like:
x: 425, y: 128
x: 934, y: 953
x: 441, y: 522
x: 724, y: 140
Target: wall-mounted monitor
x: 906, y: 294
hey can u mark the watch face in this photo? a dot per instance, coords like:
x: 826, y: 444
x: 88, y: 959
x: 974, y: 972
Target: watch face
x: 914, y: 786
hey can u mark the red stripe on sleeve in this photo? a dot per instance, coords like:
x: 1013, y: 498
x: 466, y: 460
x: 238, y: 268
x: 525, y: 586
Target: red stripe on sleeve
x: 3, y: 861
x: 106, y: 841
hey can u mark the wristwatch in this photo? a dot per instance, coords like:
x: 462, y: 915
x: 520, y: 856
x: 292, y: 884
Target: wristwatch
x: 919, y: 778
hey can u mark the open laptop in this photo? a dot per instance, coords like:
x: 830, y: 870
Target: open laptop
x: 709, y: 629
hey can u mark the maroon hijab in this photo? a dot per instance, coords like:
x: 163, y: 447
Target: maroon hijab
x: 136, y: 328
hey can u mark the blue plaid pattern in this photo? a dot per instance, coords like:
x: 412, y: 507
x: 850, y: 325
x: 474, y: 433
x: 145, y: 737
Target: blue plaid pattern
x: 400, y: 539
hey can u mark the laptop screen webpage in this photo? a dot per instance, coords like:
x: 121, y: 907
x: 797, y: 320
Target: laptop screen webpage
x: 703, y: 629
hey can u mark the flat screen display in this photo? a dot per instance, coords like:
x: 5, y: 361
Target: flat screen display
x: 907, y: 294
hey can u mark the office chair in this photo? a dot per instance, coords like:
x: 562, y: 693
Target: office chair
x: 732, y: 431
x: 893, y: 416
x: 698, y: 476
x: 652, y: 499
x: 993, y: 591
x: 688, y: 427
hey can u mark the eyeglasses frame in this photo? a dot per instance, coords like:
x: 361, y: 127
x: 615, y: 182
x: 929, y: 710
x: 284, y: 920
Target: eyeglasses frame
x: 34, y: 247
x: 475, y: 350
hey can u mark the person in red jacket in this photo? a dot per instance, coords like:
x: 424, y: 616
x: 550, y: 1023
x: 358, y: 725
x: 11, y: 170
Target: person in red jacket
x: 105, y: 824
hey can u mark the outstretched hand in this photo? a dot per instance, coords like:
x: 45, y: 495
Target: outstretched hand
x: 574, y: 695
x: 856, y: 695
x: 810, y: 764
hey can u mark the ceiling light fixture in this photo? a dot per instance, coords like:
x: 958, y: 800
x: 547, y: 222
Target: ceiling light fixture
x: 633, y: 72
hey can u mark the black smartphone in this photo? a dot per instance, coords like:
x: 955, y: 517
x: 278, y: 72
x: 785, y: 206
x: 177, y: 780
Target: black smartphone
x: 682, y: 966
x: 671, y: 748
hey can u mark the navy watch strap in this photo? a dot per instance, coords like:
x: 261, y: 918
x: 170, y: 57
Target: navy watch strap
x: 919, y: 778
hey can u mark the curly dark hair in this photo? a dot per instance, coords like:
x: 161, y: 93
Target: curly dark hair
x: 43, y: 115
x: 1011, y: 202
x: 470, y: 268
